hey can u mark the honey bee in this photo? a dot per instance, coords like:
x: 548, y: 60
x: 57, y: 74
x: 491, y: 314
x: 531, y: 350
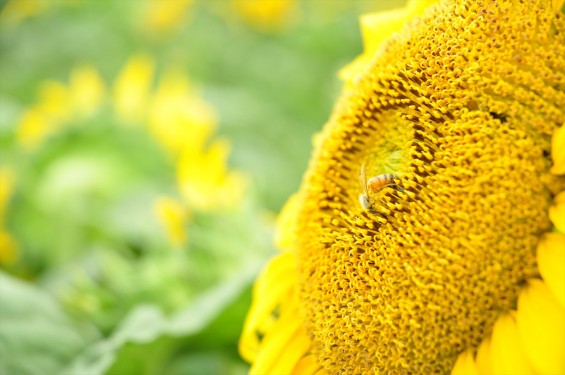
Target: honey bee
x: 374, y: 185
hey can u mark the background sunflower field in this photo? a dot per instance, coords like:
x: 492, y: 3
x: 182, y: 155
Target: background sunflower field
x: 146, y: 147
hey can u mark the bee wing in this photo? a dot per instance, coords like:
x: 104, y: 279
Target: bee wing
x: 363, y: 179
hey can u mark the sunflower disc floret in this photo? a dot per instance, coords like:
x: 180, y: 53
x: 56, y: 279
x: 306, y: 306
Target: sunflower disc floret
x: 460, y: 107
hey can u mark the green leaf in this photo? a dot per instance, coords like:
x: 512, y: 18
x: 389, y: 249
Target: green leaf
x: 146, y: 323
x: 36, y: 337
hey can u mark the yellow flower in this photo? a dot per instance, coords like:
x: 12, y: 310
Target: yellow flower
x: 132, y: 88
x: 183, y: 123
x: 46, y: 116
x: 458, y: 263
x: 54, y: 101
x: 16, y: 11
x: 174, y: 216
x: 86, y: 90
x: 33, y: 127
x: 204, y: 180
x: 162, y: 15
x: 265, y: 14
x: 9, y: 248
x: 6, y: 189
x: 58, y: 103
x: 179, y: 118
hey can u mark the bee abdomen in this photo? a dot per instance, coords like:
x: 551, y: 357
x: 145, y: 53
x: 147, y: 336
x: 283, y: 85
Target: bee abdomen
x: 381, y: 181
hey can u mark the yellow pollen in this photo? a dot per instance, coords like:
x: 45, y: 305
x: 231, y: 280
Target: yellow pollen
x: 460, y: 108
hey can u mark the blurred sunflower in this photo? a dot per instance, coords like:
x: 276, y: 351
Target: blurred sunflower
x: 8, y: 245
x: 180, y: 121
x: 14, y: 12
x: 266, y: 14
x: 75, y: 178
x: 457, y: 261
x: 58, y: 104
x: 162, y: 16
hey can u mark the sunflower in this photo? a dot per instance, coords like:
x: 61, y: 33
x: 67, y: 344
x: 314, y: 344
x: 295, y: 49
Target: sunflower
x: 266, y: 15
x: 9, y: 248
x: 181, y: 122
x: 162, y: 16
x: 457, y: 262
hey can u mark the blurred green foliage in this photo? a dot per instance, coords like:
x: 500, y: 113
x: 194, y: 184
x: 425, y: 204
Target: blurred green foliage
x: 95, y: 286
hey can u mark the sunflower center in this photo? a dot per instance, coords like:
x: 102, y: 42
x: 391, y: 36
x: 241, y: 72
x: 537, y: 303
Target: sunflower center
x: 408, y: 283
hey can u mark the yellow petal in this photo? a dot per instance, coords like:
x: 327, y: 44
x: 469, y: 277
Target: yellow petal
x: 177, y: 117
x: 551, y: 264
x: 132, y: 86
x: 9, y: 249
x: 201, y: 172
x: 557, y: 212
x: 234, y: 188
x: 204, y: 179
x: 174, y: 216
x: 271, y: 289
x: 6, y: 189
x: 558, y: 151
x: 484, y: 357
x: 161, y: 16
x: 32, y: 128
x: 321, y: 371
x: 308, y: 365
x: 349, y: 73
x: 417, y: 7
x: 508, y: 356
x: 86, y: 89
x: 55, y: 102
x: 378, y: 27
x: 465, y: 364
x: 286, y: 339
x: 15, y: 11
x: 541, y: 326
x: 265, y: 14
x: 375, y: 29
x: 286, y: 224
x: 291, y: 353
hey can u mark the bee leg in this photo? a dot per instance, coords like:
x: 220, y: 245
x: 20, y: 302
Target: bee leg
x: 366, y: 203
